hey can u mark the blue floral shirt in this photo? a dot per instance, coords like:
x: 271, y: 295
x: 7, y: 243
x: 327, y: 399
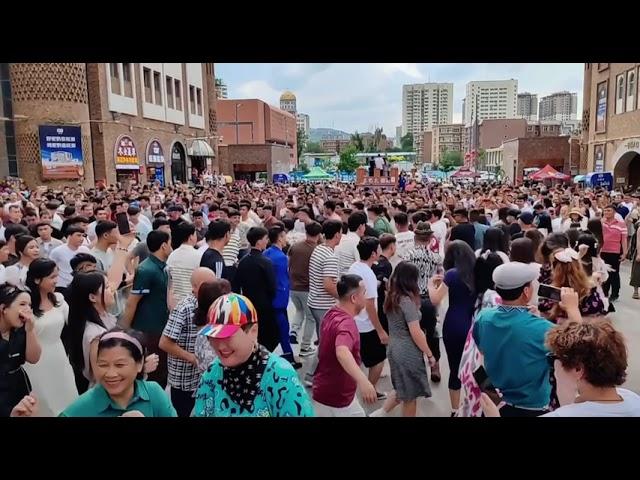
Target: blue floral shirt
x: 281, y: 394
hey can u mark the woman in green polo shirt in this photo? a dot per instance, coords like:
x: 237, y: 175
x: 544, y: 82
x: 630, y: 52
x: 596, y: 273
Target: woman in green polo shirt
x: 120, y: 390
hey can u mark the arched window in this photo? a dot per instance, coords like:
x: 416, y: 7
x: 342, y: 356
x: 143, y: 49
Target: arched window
x: 620, y: 99
x: 631, y: 90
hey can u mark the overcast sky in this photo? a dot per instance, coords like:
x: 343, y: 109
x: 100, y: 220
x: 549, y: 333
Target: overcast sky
x: 360, y: 96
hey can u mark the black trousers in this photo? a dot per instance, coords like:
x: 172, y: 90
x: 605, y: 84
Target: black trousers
x: 511, y: 411
x: 613, y: 281
x: 182, y: 401
x: 428, y: 323
x: 151, y: 341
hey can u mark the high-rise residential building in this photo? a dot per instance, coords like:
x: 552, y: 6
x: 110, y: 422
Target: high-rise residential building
x: 611, y: 121
x: 425, y: 105
x: 527, y: 106
x: 288, y: 102
x: 221, y: 89
x: 559, y: 106
x: 302, y: 121
x: 487, y: 100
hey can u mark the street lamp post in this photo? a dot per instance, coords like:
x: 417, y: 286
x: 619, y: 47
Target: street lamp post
x: 238, y: 105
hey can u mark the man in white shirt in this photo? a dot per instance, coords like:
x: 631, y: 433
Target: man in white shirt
x: 347, y: 249
x: 63, y: 254
x: 183, y: 260
x: 106, y: 237
x: 45, y: 241
x: 439, y: 228
x: 140, y: 222
x: 373, y: 338
x: 101, y: 215
x: 404, y: 237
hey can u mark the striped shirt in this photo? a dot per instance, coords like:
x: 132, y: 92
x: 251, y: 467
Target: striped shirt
x: 182, y: 262
x: 323, y: 263
x: 613, y: 233
x: 427, y: 263
x: 231, y: 249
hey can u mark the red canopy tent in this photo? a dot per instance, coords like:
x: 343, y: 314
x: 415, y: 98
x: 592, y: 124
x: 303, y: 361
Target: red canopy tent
x: 549, y: 173
x: 465, y: 172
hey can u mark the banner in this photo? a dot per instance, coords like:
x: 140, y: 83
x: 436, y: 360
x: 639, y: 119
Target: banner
x: 61, y: 152
x: 126, y: 154
x: 154, y: 152
x: 601, y: 108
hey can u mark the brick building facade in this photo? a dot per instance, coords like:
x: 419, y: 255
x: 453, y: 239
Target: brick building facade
x: 611, y: 121
x: 138, y: 121
x: 521, y: 153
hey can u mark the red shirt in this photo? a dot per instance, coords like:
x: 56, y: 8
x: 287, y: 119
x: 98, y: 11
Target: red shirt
x: 613, y: 232
x: 332, y: 386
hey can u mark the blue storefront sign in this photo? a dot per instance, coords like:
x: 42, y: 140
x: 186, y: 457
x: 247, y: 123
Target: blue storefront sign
x: 280, y: 178
x: 61, y: 151
x: 604, y: 180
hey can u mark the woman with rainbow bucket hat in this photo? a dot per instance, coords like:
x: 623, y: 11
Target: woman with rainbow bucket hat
x: 246, y: 380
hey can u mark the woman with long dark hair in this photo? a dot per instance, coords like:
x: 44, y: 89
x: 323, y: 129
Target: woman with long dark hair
x: 471, y: 358
x: 18, y: 344
x: 408, y: 345
x: 495, y: 241
x: 594, y: 226
x: 52, y: 377
x: 120, y: 389
x: 28, y: 250
x: 459, y: 284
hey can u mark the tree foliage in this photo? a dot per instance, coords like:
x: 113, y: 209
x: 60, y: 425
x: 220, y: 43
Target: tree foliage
x: 406, y: 142
x: 356, y: 141
x: 301, y: 142
x: 348, y: 161
x: 314, y: 147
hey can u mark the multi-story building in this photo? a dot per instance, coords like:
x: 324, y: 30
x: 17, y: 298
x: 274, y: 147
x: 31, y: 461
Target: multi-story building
x: 493, y: 99
x: 425, y: 105
x: 544, y: 129
x: 112, y: 122
x: 562, y: 153
x: 398, y: 140
x: 492, y: 133
x: 446, y: 138
x: 288, y: 102
x: 221, y: 89
x: 302, y: 121
x: 334, y: 144
x: 256, y: 137
x: 492, y: 161
x: 611, y: 121
x: 8, y: 160
x: 559, y: 106
x: 527, y: 106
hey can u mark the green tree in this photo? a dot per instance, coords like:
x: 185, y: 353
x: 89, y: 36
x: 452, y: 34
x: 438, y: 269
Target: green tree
x: 450, y: 160
x: 406, y: 142
x: 348, y: 161
x: 356, y: 141
x: 301, y: 142
x: 314, y: 147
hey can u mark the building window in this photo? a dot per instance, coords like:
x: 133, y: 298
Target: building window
x: 178, y: 93
x: 631, y: 90
x: 620, y: 94
x: 192, y: 99
x: 115, y: 78
x: 126, y: 76
x: 157, y: 86
x: 199, y: 99
x: 169, y: 83
x: 146, y: 81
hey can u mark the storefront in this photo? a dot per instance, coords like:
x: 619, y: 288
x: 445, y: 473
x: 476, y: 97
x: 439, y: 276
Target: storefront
x: 200, y: 154
x: 178, y: 163
x: 155, y: 163
x: 127, y: 162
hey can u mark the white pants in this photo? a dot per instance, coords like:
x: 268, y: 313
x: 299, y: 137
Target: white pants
x: 353, y: 410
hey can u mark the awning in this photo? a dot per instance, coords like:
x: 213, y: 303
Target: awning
x: 200, y: 148
x: 579, y: 178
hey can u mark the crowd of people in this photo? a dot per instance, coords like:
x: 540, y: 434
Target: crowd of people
x: 212, y: 300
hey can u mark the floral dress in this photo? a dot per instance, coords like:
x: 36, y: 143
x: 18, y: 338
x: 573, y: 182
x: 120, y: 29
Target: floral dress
x: 470, y: 361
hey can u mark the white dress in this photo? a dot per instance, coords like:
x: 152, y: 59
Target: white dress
x: 52, y: 377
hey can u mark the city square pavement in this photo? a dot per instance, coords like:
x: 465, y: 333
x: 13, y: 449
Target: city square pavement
x: 626, y: 319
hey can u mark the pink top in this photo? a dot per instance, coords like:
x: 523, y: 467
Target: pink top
x: 613, y: 232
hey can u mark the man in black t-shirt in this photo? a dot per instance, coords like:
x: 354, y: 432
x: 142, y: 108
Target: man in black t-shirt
x: 463, y: 230
x: 217, y: 236
x: 175, y: 218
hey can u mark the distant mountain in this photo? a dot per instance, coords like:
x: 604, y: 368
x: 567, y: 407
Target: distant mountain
x: 318, y: 134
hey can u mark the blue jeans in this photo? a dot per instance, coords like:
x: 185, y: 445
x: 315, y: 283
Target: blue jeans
x: 283, y: 329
